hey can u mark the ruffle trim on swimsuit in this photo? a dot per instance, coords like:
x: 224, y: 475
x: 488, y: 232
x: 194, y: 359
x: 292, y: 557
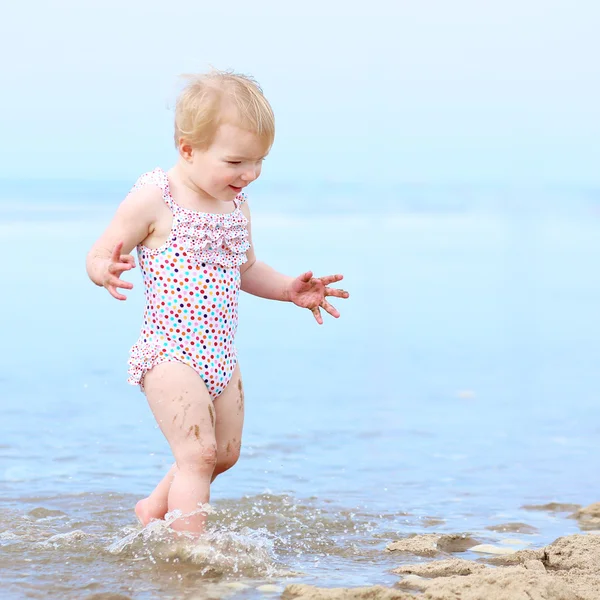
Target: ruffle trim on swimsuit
x: 142, y: 357
x: 218, y: 239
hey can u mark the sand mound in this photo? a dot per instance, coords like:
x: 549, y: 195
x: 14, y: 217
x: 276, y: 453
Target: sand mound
x: 310, y: 592
x: 510, y: 583
x: 567, y: 569
x: 588, y: 517
x: 432, y: 544
x: 513, y: 528
x: 441, y: 568
x: 553, y: 507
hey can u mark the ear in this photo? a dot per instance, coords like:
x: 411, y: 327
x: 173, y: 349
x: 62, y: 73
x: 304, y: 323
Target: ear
x: 185, y: 149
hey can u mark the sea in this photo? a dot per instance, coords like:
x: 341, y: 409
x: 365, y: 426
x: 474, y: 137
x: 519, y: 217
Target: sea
x: 459, y: 391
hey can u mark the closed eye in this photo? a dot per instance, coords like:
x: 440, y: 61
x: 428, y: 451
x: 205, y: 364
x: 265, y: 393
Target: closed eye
x: 234, y: 162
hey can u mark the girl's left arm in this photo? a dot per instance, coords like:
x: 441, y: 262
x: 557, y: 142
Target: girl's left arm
x: 305, y: 291
x: 258, y: 278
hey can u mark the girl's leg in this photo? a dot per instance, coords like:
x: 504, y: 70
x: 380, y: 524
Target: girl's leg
x: 229, y: 409
x: 184, y: 412
x: 155, y: 505
x: 229, y: 421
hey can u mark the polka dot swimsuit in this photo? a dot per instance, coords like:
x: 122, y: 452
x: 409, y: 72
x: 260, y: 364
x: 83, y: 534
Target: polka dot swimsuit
x: 191, y: 284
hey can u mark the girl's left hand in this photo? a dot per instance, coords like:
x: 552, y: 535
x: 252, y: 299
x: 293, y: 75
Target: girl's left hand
x: 310, y: 292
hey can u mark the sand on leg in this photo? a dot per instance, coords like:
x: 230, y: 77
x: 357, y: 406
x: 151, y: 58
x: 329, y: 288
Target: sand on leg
x: 185, y: 414
x: 229, y: 410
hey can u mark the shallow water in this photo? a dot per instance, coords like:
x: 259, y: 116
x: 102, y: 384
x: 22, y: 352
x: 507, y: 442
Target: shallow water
x: 460, y: 384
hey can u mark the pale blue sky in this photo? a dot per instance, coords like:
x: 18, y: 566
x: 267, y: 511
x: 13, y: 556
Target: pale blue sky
x: 420, y: 90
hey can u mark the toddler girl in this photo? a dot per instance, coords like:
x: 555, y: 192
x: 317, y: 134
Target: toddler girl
x: 191, y: 227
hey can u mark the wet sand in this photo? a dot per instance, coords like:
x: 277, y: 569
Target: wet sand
x: 567, y: 569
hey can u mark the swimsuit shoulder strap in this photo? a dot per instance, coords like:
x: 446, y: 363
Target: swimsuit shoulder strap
x: 157, y: 178
x: 240, y: 199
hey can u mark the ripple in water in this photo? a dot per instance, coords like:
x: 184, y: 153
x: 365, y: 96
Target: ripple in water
x: 93, y: 542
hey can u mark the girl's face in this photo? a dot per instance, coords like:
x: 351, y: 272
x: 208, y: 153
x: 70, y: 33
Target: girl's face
x: 229, y: 164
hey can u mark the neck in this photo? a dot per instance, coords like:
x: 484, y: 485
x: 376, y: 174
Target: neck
x: 180, y: 174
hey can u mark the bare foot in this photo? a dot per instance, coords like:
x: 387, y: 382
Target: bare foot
x: 143, y: 512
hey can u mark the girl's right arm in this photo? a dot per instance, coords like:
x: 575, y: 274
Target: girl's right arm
x: 132, y: 223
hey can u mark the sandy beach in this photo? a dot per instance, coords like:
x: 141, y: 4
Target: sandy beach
x: 567, y: 569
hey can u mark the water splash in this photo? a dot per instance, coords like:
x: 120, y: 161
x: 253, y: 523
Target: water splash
x: 219, y: 551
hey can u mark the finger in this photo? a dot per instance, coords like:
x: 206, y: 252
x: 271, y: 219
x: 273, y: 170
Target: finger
x: 330, y: 309
x: 117, y: 268
x: 336, y: 292
x: 127, y: 258
x: 113, y: 292
x: 317, y: 314
x: 306, y: 277
x: 116, y: 253
x: 119, y: 283
x: 331, y: 279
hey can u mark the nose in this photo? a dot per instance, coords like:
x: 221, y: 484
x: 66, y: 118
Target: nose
x: 251, y: 173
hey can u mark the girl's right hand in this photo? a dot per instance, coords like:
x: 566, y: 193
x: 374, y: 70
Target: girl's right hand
x: 117, y: 264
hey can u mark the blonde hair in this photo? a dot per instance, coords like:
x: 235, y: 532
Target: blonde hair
x: 217, y: 97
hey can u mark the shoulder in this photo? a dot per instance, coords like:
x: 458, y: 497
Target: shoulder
x: 146, y: 195
x: 155, y: 178
x: 151, y: 185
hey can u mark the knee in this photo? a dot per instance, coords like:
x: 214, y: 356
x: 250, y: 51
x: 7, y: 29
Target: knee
x: 227, y: 458
x: 198, y: 459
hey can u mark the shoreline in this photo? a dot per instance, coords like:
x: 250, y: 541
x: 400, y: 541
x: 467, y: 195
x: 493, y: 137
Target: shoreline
x: 566, y: 569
